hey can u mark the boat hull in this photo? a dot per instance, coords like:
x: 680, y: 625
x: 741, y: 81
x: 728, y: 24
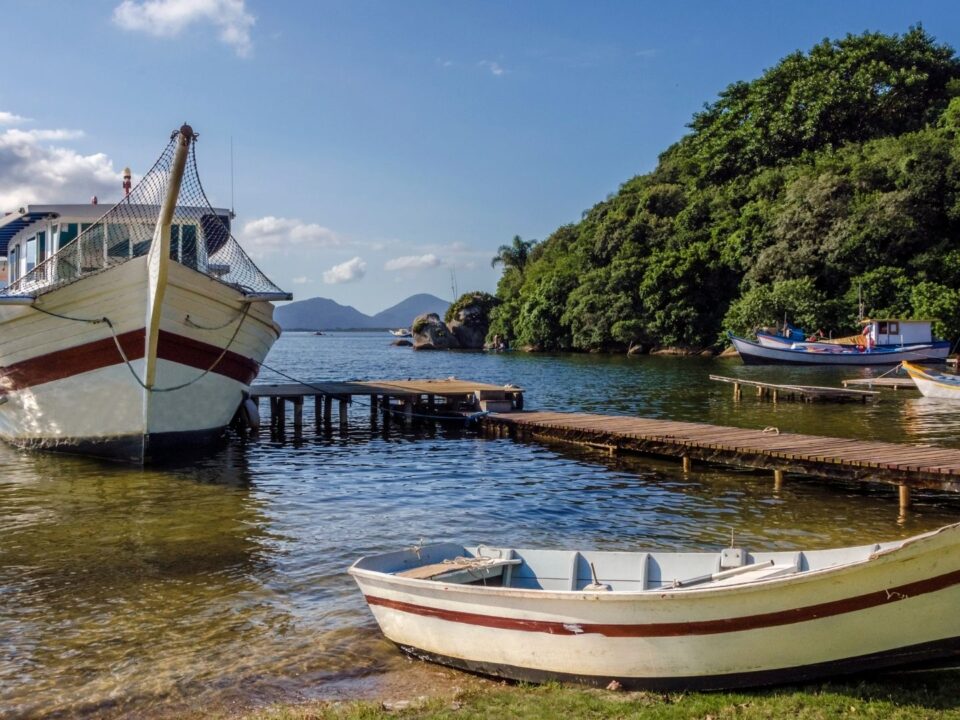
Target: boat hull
x: 65, y: 385
x: 934, y: 385
x: 756, y: 354
x: 894, y: 609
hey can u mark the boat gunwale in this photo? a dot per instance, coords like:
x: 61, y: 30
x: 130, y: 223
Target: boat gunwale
x: 662, y: 593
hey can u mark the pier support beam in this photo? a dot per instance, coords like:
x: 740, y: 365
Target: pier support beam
x: 373, y: 410
x: 318, y: 411
x: 298, y: 414
x: 904, y: 497
x: 328, y: 410
x: 777, y: 480
x: 343, y: 413
x: 687, y: 464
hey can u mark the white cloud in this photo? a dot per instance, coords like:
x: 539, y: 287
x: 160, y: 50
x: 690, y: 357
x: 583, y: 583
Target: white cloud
x: 351, y: 270
x: 302, y: 280
x: 8, y: 118
x: 269, y: 234
x: 32, y: 170
x: 493, y: 66
x: 413, y: 262
x: 167, y: 18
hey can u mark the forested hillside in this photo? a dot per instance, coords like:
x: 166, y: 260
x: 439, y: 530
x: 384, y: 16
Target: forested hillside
x: 838, y: 168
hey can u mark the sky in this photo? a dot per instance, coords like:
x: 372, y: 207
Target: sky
x: 382, y: 149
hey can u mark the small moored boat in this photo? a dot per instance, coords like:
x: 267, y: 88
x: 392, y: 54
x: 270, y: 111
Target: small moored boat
x: 933, y: 383
x: 818, y: 353
x: 401, y: 333
x: 669, y: 620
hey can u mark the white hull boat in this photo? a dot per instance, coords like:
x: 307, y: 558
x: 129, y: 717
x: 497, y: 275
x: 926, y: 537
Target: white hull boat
x: 135, y: 338
x: 753, y: 353
x: 671, y: 621
x: 934, y: 384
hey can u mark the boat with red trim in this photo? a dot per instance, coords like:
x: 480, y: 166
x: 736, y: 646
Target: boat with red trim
x: 133, y: 331
x: 671, y: 620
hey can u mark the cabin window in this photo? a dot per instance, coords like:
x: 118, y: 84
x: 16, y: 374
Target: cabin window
x: 41, y: 246
x: 118, y: 241
x: 30, y: 255
x: 188, y: 245
x: 894, y: 328
x: 68, y: 233
x: 882, y: 328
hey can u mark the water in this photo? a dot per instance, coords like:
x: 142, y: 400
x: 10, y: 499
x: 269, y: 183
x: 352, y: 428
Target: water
x: 130, y: 592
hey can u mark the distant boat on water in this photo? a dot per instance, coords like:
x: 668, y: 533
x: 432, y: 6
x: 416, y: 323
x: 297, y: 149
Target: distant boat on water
x: 134, y: 330
x: 669, y: 620
x: 401, y: 333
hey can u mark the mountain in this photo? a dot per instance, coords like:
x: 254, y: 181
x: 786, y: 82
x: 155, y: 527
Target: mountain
x: 325, y: 314
x: 403, y: 313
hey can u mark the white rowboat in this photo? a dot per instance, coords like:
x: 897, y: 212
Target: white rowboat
x: 667, y: 620
x: 932, y: 383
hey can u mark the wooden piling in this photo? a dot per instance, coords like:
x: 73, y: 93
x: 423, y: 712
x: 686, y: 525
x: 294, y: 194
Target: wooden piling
x: 687, y: 463
x: 904, y: 497
x: 343, y: 413
x: 777, y: 480
x: 298, y: 414
x: 328, y: 410
x: 318, y: 411
x: 373, y: 409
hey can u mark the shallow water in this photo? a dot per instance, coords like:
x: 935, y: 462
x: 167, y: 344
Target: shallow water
x: 129, y: 592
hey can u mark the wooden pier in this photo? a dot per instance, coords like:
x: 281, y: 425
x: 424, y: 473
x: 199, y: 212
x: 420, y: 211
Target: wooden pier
x: 391, y: 397
x: 882, y: 382
x: 906, y: 466
x: 807, y: 393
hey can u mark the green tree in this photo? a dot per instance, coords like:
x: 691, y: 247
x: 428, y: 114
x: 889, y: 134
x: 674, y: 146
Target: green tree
x: 515, y: 255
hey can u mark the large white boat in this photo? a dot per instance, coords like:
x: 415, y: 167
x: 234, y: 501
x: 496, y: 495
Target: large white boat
x: 669, y: 620
x: 130, y: 331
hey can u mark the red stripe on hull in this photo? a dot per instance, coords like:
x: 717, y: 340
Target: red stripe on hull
x: 702, y: 627
x: 103, y: 353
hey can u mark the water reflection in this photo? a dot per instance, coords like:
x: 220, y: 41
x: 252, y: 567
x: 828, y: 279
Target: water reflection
x: 221, y: 579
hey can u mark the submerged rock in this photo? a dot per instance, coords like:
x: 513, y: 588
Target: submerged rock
x: 402, y: 342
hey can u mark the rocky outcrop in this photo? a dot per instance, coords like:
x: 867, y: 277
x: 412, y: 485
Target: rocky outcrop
x: 469, y: 319
x: 431, y: 333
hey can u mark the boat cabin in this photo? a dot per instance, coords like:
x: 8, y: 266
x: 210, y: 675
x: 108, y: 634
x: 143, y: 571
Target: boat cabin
x: 34, y: 233
x: 895, y: 331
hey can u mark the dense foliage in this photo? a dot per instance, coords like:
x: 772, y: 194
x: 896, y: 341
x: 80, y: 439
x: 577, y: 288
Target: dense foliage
x: 481, y: 303
x: 838, y: 169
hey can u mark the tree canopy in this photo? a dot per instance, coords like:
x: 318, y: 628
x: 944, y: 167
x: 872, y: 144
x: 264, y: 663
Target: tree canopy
x: 838, y: 168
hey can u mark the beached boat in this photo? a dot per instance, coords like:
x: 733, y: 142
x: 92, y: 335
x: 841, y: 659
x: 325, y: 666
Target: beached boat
x: 933, y: 383
x: 753, y: 353
x: 131, y: 330
x: 669, y: 620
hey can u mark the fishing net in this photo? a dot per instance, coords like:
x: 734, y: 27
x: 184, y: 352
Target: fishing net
x: 199, y: 237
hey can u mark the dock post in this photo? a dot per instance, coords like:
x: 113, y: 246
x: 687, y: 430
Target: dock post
x: 328, y: 410
x: 408, y: 410
x: 432, y: 402
x: 343, y: 414
x: 373, y: 410
x: 904, y: 497
x: 281, y: 414
x: 736, y: 391
x: 318, y: 411
x: 298, y: 414
x: 773, y: 395
x: 687, y: 463
x: 777, y: 480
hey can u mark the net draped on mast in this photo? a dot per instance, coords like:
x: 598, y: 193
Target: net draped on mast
x: 200, y: 238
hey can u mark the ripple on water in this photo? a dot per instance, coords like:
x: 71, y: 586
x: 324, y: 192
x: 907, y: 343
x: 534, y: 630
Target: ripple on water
x: 221, y: 580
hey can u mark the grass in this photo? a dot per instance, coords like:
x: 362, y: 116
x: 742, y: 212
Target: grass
x: 902, y: 697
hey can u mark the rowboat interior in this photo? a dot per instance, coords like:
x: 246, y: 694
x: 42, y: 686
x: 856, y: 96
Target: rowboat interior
x: 605, y: 571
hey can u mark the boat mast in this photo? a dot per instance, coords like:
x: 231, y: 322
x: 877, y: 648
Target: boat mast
x: 158, y: 260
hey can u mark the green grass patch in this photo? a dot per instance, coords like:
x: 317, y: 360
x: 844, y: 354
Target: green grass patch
x: 901, y: 697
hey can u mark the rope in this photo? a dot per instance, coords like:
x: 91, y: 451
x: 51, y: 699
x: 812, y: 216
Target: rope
x: 123, y: 355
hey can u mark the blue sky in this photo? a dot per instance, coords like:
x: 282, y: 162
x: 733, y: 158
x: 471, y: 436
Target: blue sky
x: 382, y: 146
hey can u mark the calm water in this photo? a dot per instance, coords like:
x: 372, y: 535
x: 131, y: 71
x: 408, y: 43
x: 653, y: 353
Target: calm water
x: 128, y: 592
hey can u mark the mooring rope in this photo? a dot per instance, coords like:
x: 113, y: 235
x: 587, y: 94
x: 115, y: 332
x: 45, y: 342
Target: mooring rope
x: 126, y: 360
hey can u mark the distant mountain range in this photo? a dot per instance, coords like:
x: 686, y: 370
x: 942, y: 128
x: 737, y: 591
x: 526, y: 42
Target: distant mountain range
x: 325, y: 314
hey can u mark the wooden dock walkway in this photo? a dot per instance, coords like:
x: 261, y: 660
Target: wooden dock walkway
x: 883, y: 382
x: 406, y: 397
x: 903, y: 465
x: 807, y: 393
